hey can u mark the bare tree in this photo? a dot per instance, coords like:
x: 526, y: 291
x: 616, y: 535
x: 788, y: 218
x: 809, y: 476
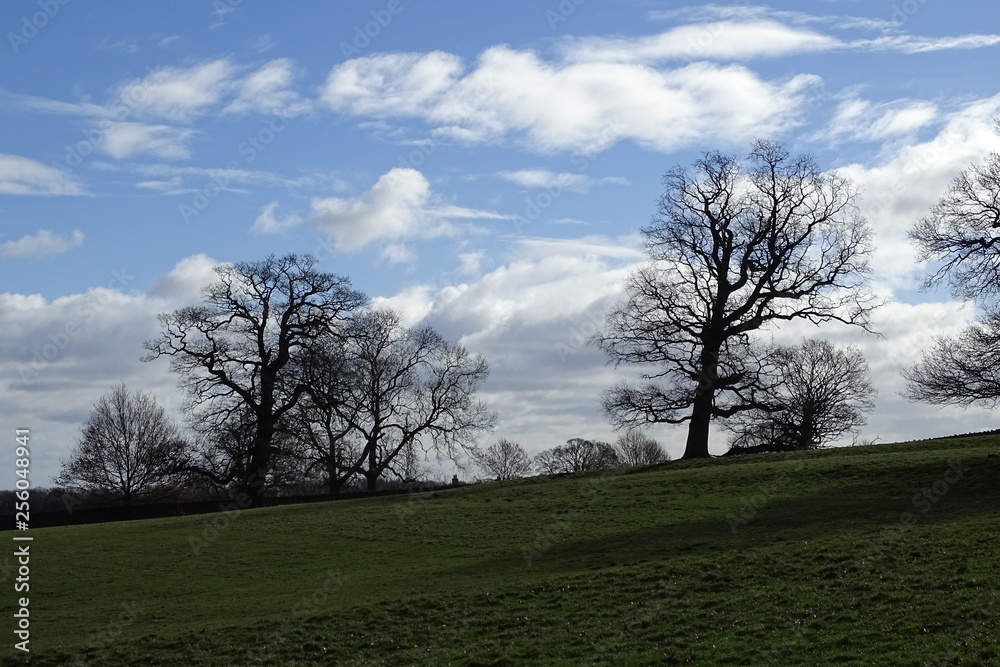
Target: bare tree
x: 328, y: 442
x: 960, y: 370
x: 962, y: 233
x: 820, y: 393
x: 577, y: 455
x: 505, y: 459
x: 637, y: 449
x: 399, y: 388
x: 129, y: 449
x: 233, y: 353
x: 733, y: 249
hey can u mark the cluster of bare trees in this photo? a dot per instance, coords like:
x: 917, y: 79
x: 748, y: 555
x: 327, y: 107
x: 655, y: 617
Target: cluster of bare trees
x: 287, y: 371
x: 289, y: 374
x: 738, y: 246
x: 508, y: 460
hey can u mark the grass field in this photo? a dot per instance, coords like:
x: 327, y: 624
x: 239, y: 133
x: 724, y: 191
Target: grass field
x: 835, y: 557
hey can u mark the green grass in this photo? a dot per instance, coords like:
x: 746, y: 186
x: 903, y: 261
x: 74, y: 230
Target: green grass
x: 635, y: 568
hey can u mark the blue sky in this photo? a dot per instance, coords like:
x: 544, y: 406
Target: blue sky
x: 483, y: 167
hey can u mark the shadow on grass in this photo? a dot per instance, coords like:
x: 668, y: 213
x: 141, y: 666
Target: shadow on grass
x: 873, y: 508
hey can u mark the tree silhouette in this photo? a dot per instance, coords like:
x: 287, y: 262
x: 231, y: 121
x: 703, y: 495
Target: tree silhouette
x: 234, y: 353
x: 129, y: 449
x: 962, y: 234
x: 818, y: 394
x: 505, y: 459
x: 734, y: 248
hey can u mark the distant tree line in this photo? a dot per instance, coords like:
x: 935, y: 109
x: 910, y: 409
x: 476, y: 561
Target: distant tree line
x: 508, y: 460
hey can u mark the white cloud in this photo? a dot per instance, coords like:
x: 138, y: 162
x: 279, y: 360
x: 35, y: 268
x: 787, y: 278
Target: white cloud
x: 42, y: 243
x: 168, y: 40
x: 182, y: 285
x: 722, y: 40
x: 915, y: 44
x: 399, y: 206
x: 180, y: 95
x: 750, y: 31
x: 531, y: 318
x: 23, y: 176
x: 57, y: 357
x: 913, y: 176
x: 263, y: 43
x: 197, y: 177
x: 406, y: 83
x: 865, y: 120
x: 170, y: 186
x: 585, y: 107
x: 413, y: 303
x: 268, y: 223
x: 129, y: 45
x: 124, y: 139
x: 50, y: 106
x: 176, y: 94
x: 543, y: 178
x: 268, y: 91
x: 470, y: 262
x: 398, y: 253
x: 393, y: 209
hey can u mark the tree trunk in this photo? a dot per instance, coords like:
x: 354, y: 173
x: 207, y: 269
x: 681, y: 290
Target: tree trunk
x: 371, y: 475
x: 332, y: 477
x: 260, y: 461
x: 701, y: 419
x: 704, y: 401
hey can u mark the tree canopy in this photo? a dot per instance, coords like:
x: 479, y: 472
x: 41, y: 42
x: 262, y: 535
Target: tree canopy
x: 129, y: 450
x: 233, y: 353
x: 734, y: 247
x: 817, y: 394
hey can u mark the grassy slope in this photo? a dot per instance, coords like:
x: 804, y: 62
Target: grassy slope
x: 629, y: 568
